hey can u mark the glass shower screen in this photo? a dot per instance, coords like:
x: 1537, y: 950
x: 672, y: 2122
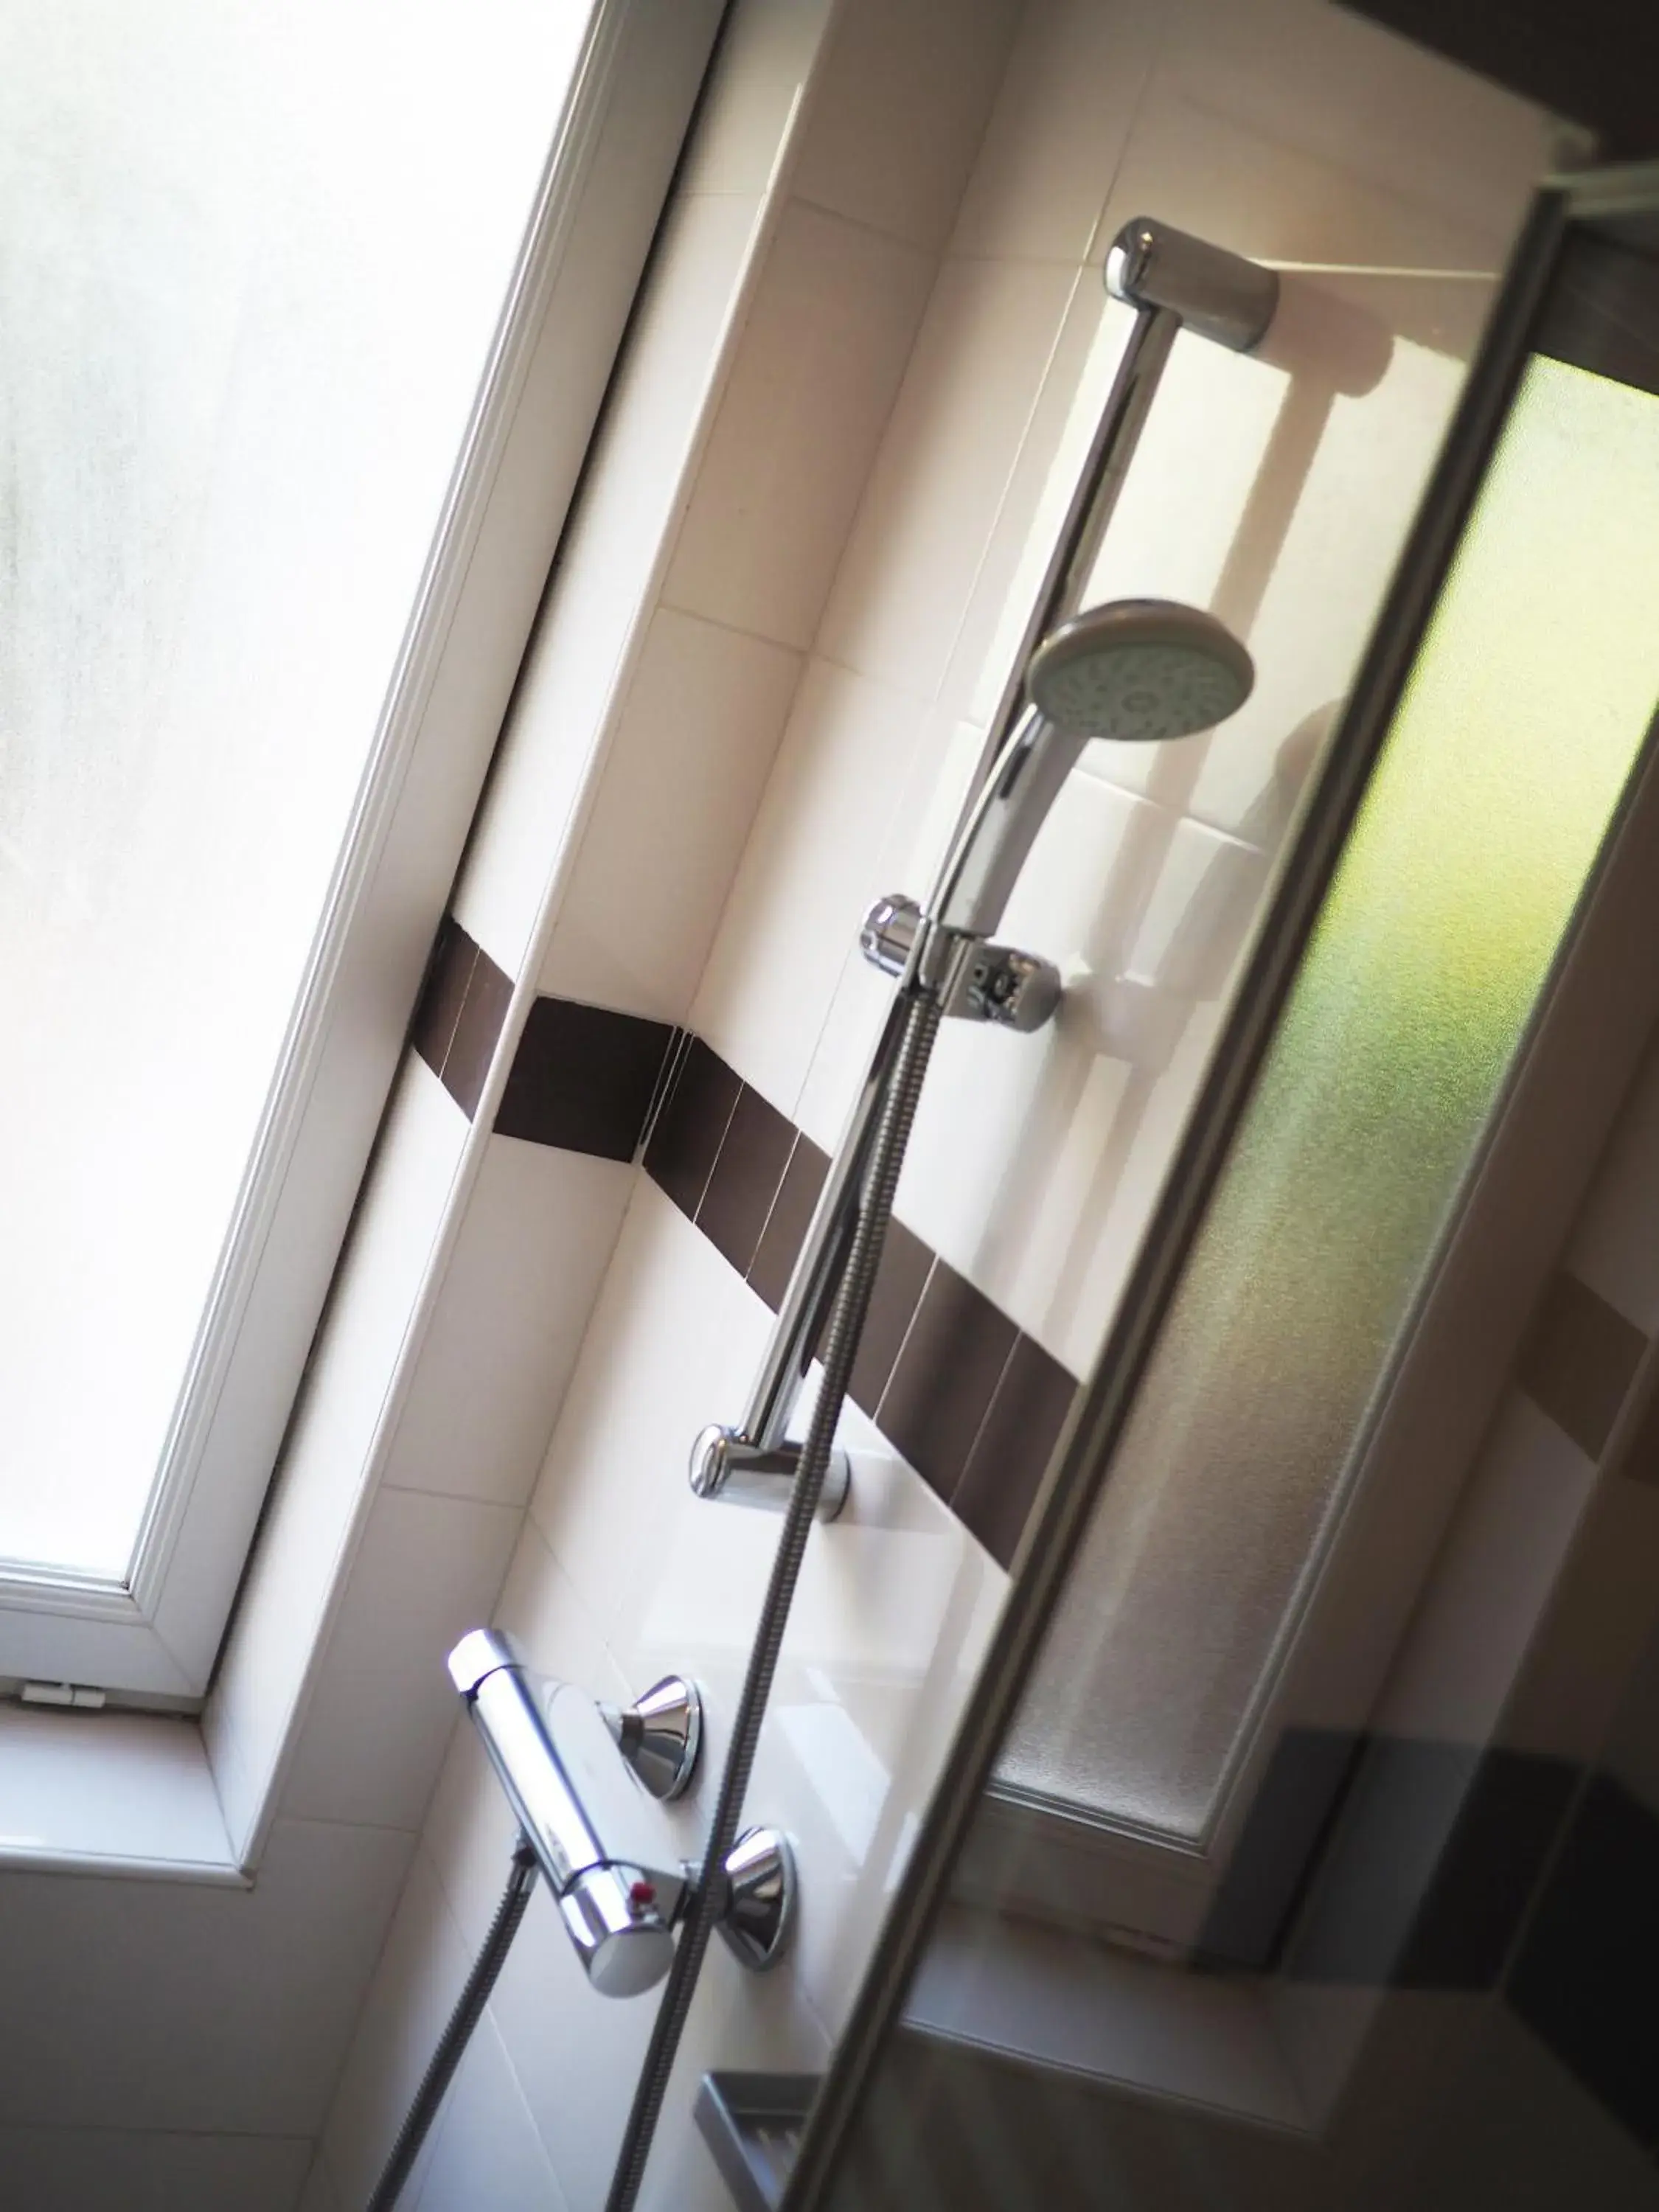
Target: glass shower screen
x: 1443, y: 1010
x: 1529, y: 698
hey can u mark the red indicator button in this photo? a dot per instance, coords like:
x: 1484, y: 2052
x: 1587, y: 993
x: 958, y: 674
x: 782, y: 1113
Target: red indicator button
x: 642, y: 1894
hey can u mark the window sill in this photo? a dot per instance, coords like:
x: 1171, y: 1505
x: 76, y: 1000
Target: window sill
x: 1053, y: 2001
x: 123, y: 1793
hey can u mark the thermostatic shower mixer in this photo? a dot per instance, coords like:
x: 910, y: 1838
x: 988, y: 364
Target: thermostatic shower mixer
x: 564, y: 1761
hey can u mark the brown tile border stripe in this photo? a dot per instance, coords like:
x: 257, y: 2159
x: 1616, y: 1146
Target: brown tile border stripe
x: 584, y: 1079
x: 459, y: 1015
x: 974, y: 1404
x: 1578, y: 1360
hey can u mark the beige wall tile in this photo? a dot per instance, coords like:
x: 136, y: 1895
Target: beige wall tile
x: 675, y: 805
x: 823, y: 351
x: 900, y: 111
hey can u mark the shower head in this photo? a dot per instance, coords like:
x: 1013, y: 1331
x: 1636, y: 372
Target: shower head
x: 1136, y: 669
x: 1139, y: 670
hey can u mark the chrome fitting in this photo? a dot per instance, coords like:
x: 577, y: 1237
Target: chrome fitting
x: 986, y: 982
x: 556, y: 1752
x: 558, y: 1763
x: 759, y: 1913
x: 726, y: 1465
x: 1016, y: 990
x: 1220, y: 295
x: 661, y: 1735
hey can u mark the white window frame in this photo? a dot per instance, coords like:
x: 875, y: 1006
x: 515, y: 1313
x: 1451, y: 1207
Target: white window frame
x: 156, y: 1638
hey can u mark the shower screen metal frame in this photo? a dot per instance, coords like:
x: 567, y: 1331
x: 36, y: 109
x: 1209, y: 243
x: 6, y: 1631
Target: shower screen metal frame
x: 1595, y: 1014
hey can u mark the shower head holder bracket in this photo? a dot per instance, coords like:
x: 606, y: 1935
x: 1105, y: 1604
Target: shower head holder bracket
x: 730, y: 1467
x: 984, y: 982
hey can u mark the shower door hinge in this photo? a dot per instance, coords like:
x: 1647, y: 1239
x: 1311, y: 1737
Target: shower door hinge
x: 62, y: 1693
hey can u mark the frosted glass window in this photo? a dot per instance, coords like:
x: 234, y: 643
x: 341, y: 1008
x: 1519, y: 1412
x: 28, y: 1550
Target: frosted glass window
x: 1531, y: 694
x: 251, y: 260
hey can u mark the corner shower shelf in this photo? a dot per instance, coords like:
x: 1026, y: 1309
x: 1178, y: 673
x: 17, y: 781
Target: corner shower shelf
x: 752, y: 2124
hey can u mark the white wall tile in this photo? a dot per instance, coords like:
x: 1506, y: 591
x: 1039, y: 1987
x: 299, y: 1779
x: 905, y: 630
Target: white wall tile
x: 943, y: 767
x: 542, y: 1606
x: 1316, y: 594
x: 828, y: 331
x: 382, y: 1708
x: 675, y: 804
x: 146, y: 2004
x: 1073, y: 86
x: 1020, y: 534
x: 576, y: 2054
x: 470, y: 1834
x: 420, y: 1975
x: 673, y: 1343
x: 903, y: 587
x: 487, y: 2156
x: 88, y: 2169
x: 890, y: 1619
x: 538, y: 1231
x: 900, y: 111
x: 1022, y: 1144
x: 809, y: 871
x: 318, y: 1497
x: 634, y: 493
x: 768, y: 51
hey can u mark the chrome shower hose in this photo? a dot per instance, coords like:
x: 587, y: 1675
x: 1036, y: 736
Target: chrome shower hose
x: 468, y: 2008
x: 838, y: 1352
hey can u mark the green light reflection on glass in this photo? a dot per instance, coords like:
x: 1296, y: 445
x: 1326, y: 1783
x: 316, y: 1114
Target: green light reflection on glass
x: 1529, y: 700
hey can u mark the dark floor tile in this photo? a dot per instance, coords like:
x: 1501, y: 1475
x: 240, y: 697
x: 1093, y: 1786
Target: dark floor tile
x: 473, y: 1046
x: 1587, y: 1979
x: 942, y: 1383
x: 901, y: 1278
x: 1278, y: 1847
x: 787, y: 1223
x: 1015, y: 1443
x: 747, y: 1172
x: 1431, y: 1865
x: 443, y: 993
x: 583, y: 1078
x: 1461, y: 1936
x: 1578, y: 1359
x: 685, y: 1143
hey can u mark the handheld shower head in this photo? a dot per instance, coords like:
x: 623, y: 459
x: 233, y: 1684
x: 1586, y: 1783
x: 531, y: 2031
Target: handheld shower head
x: 1139, y: 670
x: 1136, y: 669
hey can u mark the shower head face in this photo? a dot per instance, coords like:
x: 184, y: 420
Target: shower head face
x: 1138, y: 670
